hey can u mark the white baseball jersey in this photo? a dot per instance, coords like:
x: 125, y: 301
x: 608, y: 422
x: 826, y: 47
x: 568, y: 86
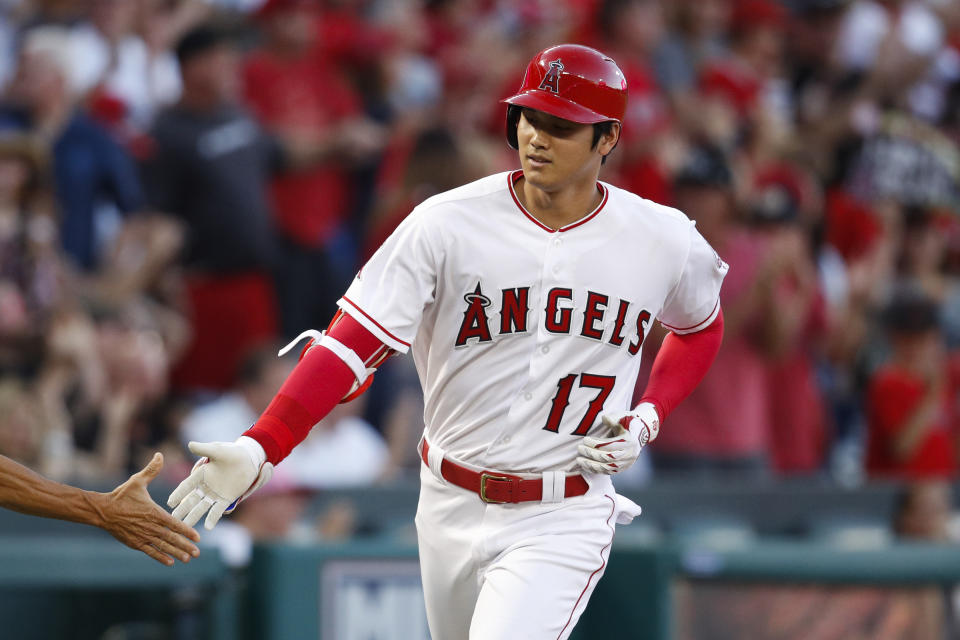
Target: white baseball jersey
x: 523, y: 335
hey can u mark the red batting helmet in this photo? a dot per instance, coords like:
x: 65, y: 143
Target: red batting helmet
x: 572, y: 82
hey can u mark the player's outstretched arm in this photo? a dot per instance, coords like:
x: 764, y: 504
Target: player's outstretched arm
x: 127, y: 513
x: 335, y: 369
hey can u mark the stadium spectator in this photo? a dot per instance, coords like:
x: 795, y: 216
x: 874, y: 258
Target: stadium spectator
x: 93, y: 177
x: 923, y: 255
x: 742, y: 95
x: 210, y: 167
x: 96, y: 389
x: 630, y: 31
x: 911, y: 404
x: 696, y: 37
x: 113, y: 65
x: 723, y: 426
x: 924, y: 511
x: 31, y: 269
x: 793, y: 336
x: 896, y: 45
x: 300, y: 95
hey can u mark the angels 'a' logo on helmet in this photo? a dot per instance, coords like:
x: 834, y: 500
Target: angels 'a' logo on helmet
x: 551, y: 81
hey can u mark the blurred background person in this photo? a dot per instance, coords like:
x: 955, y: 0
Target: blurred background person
x: 94, y: 179
x: 912, y: 407
x: 113, y: 66
x: 300, y: 95
x: 924, y: 511
x: 723, y: 426
x: 210, y: 167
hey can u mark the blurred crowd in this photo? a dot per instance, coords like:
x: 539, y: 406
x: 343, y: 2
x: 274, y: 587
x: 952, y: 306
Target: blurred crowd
x: 185, y: 185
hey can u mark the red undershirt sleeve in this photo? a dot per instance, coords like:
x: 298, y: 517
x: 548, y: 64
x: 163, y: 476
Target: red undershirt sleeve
x: 680, y: 365
x: 315, y: 386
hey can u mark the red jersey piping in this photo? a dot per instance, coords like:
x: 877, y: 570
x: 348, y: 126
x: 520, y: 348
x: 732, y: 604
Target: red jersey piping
x: 603, y: 563
x: 516, y: 175
x: 672, y: 328
x: 379, y: 326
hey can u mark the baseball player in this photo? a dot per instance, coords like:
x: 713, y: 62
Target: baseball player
x: 525, y: 298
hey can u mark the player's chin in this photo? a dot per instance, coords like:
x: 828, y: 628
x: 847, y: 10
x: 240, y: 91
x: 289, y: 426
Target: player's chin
x: 539, y: 174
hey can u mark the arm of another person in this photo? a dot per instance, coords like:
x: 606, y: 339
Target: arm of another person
x: 127, y: 513
x: 899, y: 416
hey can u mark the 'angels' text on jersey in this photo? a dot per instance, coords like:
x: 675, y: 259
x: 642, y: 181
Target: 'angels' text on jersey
x: 514, y: 310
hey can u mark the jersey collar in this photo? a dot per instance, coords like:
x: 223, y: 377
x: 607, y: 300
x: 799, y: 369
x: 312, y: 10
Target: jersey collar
x: 512, y: 179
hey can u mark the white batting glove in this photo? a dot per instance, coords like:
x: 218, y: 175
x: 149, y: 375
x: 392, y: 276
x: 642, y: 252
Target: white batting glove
x: 631, y: 430
x: 227, y: 473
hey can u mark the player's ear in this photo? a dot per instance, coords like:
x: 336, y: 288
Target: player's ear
x: 609, y: 139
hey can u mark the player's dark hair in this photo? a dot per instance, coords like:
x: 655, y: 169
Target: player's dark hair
x: 601, y: 129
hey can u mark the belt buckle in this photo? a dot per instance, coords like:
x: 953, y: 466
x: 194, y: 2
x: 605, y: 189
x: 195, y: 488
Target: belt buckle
x: 483, y: 487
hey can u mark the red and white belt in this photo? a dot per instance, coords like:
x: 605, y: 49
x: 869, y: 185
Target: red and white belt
x: 501, y: 488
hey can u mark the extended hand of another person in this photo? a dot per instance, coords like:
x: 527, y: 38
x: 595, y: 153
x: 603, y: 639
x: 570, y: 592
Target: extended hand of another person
x: 133, y: 518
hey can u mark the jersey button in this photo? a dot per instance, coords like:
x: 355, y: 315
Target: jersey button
x: 528, y: 396
x: 506, y: 439
x: 556, y: 268
x: 544, y: 349
x: 557, y: 242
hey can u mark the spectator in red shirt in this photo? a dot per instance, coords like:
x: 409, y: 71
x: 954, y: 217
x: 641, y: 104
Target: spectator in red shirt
x: 300, y: 97
x: 793, y: 334
x: 741, y: 100
x: 722, y: 428
x: 911, y: 417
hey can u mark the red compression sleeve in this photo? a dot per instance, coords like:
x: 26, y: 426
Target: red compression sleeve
x: 318, y: 382
x: 680, y: 365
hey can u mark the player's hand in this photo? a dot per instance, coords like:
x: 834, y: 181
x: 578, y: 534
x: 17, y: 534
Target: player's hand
x: 631, y: 431
x: 227, y: 473
x: 133, y: 518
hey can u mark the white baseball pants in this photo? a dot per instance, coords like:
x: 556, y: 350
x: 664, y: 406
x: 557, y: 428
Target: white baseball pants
x: 504, y: 572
